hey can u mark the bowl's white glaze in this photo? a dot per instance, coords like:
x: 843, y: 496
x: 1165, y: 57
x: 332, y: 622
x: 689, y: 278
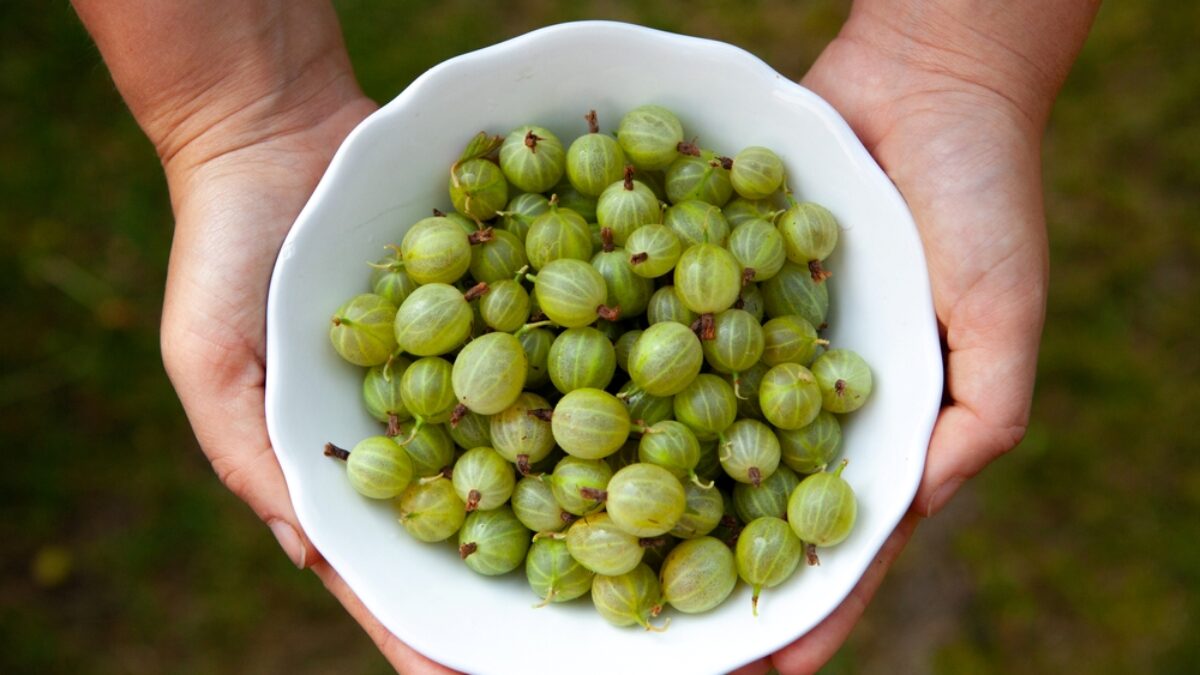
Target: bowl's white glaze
x: 392, y: 170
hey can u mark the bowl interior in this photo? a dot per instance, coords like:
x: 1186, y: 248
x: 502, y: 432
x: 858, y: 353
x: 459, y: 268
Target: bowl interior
x: 392, y: 170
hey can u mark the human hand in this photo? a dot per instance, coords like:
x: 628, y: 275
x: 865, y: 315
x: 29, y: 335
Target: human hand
x: 957, y: 126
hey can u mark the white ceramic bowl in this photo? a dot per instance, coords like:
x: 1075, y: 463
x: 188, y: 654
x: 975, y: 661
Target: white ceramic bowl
x: 393, y: 169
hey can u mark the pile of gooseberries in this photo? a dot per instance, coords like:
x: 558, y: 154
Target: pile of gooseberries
x: 605, y: 364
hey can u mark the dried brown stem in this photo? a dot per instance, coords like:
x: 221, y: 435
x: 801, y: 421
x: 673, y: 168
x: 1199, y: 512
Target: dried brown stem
x: 810, y: 554
x: 606, y: 240
x: 629, y: 177
x: 593, y: 494
x: 480, y: 236
x: 747, y: 277
x: 473, y: 498
x: 818, y: 273
x: 544, y: 414
x: 531, y: 141
x: 334, y: 451
x: 467, y: 549
x: 460, y: 411
x: 593, y: 123
x: 476, y: 291
x: 688, y: 148
x: 639, y: 258
x: 608, y: 313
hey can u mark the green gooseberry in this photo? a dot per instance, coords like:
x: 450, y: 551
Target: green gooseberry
x: 707, y: 278
x: 822, y: 510
x: 505, y: 306
x: 790, y: 396
x: 571, y: 293
x: 381, y: 392
x: 737, y: 343
x: 622, y: 346
x: 769, y: 498
x: 630, y: 598
x: 501, y: 256
x: 746, y: 389
x: 493, y: 542
x: 376, y: 467
x: 557, y: 233
x: 536, y: 343
x: 570, y: 198
x: 810, y: 232
x: 581, y: 358
x: 697, y: 222
x: 534, y: 505
x: 758, y: 248
x: 519, y: 432
x: 645, y: 499
x: 627, y: 205
x: 430, y: 510
x: 665, y: 359
x: 739, y: 209
x: 749, y: 451
x: 553, y: 575
x: 756, y: 173
x: 844, y: 378
x: 666, y: 305
x: 489, y: 373
x: 653, y: 250
x: 532, y: 158
x: 478, y: 188
x: 790, y: 339
x: 435, y: 251
x: 434, y: 319
x: 483, y: 479
x: 627, y: 290
x: 429, y: 446
x: 698, y: 575
x: 602, y: 546
x: 793, y: 291
x: 811, y: 448
x: 472, y: 431
x: 767, y: 555
x: 426, y: 390
x: 520, y: 212
x: 703, y: 178
x: 590, y: 423
x: 594, y: 160
x: 579, y: 484
x: 361, y: 330
x: 650, y: 135
x: 389, y: 280
x: 707, y: 405
x: 705, y: 507
x: 644, y: 408
x: 673, y: 446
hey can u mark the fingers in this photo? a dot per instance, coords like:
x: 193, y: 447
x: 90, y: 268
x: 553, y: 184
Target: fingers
x: 402, y: 657
x: 817, y: 646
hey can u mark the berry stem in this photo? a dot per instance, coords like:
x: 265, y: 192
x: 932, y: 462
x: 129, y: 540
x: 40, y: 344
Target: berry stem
x: 748, y: 276
x: 467, y: 549
x: 608, y: 313
x: 531, y: 141
x: 460, y: 411
x: 755, y: 476
x: 476, y: 291
x: 606, y: 240
x: 334, y: 451
x: 699, y: 483
x: 688, y: 148
x: 818, y: 273
x: 841, y: 467
x: 810, y: 555
x: 530, y: 326
x: 544, y: 414
x: 480, y: 236
x: 523, y: 464
x: 638, y: 258
x: 593, y: 122
x: 420, y: 422
x: 754, y: 598
x: 393, y: 425
x: 629, y: 177
x: 473, y: 498
x: 593, y: 494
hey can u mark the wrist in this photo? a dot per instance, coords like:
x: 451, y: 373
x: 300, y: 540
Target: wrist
x: 205, y: 77
x: 1017, y: 53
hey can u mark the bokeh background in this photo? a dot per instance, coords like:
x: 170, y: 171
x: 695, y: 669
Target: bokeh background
x: 121, y: 553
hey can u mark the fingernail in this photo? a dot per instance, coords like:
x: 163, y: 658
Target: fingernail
x: 942, y: 495
x: 289, y: 539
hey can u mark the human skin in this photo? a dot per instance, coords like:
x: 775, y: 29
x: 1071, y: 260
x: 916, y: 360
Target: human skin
x: 245, y: 102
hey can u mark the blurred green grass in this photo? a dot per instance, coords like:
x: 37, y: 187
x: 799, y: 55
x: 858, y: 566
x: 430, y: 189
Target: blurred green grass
x: 121, y: 553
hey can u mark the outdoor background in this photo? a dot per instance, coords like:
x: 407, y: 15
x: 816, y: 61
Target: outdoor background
x: 121, y: 553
